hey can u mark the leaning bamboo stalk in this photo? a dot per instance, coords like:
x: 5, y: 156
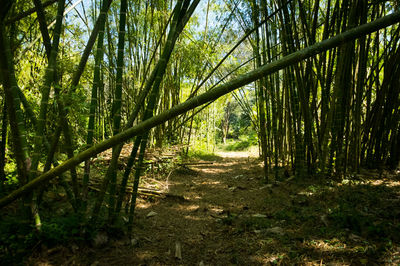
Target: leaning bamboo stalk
x: 143, y: 92
x: 210, y: 95
x: 43, y: 26
x: 178, y: 23
x: 117, y: 150
x: 160, y: 68
x: 28, y: 12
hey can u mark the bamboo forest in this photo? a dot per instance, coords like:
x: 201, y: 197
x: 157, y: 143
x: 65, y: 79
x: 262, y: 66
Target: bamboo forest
x: 198, y: 132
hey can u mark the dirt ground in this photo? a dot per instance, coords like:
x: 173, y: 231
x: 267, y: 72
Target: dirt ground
x: 221, y: 212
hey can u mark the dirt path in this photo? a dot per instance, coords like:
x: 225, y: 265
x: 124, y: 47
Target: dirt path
x: 223, y: 214
x: 200, y: 215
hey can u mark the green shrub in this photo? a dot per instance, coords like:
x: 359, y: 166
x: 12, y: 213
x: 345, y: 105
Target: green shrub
x: 17, y: 238
x: 60, y: 230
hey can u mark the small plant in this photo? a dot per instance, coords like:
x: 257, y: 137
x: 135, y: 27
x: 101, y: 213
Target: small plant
x: 60, y: 230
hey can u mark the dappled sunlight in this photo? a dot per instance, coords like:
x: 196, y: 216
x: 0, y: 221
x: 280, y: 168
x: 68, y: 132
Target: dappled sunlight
x: 192, y: 207
x: 199, y: 132
x: 212, y: 171
x: 269, y: 258
x: 141, y: 204
x: 208, y: 182
x: 324, y: 245
x: 184, y: 208
x: 195, y: 218
x: 223, y: 211
x: 251, y: 153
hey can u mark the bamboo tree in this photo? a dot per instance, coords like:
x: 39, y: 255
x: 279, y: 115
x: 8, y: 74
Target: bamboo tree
x: 181, y: 16
x: 89, y: 45
x: 117, y: 101
x: 342, y: 90
x: 52, y: 77
x: 271, y: 87
x: 362, y: 72
x: 384, y: 115
x: 93, y: 104
x: 48, y: 80
x: 260, y: 93
x: 17, y: 125
x: 210, y: 95
x: 132, y: 117
x: 141, y: 141
x: 110, y: 171
x: 4, y: 129
x: 293, y: 78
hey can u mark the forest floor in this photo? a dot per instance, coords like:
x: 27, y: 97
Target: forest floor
x: 222, y: 213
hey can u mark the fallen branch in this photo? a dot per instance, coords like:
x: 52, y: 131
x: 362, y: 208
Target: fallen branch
x: 199, y: 163
x: 141, y: 191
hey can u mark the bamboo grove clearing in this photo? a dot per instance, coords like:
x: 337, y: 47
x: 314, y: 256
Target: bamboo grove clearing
x: 104, y: 101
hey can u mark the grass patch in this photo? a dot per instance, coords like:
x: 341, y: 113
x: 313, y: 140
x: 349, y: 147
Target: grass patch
x: 202, y: 155
x: 242, y: 144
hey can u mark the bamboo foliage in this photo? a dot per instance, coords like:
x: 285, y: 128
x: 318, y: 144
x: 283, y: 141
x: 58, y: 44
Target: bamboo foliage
x: 14, y: 110
x: 180, y: 18
x: 210, y: 95
x: 325, y: 84
x: 48, y: 80
x: 17, y: 125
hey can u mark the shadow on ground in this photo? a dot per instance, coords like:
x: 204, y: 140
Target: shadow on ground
x: 223, y: 214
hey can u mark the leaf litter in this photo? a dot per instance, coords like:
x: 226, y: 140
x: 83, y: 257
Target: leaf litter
x: 306, y: 222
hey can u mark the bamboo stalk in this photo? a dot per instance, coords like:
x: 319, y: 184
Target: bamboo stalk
x: 217, y: 92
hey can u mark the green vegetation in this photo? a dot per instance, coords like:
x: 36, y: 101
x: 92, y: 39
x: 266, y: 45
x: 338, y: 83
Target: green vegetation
x: 198, y: 154
x: 241, y: 144
x: 312, y: 84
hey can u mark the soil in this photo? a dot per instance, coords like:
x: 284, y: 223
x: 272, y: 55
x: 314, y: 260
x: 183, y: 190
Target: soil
x: 221, y: 212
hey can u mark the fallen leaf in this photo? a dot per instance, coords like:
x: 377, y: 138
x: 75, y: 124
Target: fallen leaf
x: 151, y: 214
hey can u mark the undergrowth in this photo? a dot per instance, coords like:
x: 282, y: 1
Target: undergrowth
x: 241, y: 144
x: 202, y: 155
x: 19, y: 237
